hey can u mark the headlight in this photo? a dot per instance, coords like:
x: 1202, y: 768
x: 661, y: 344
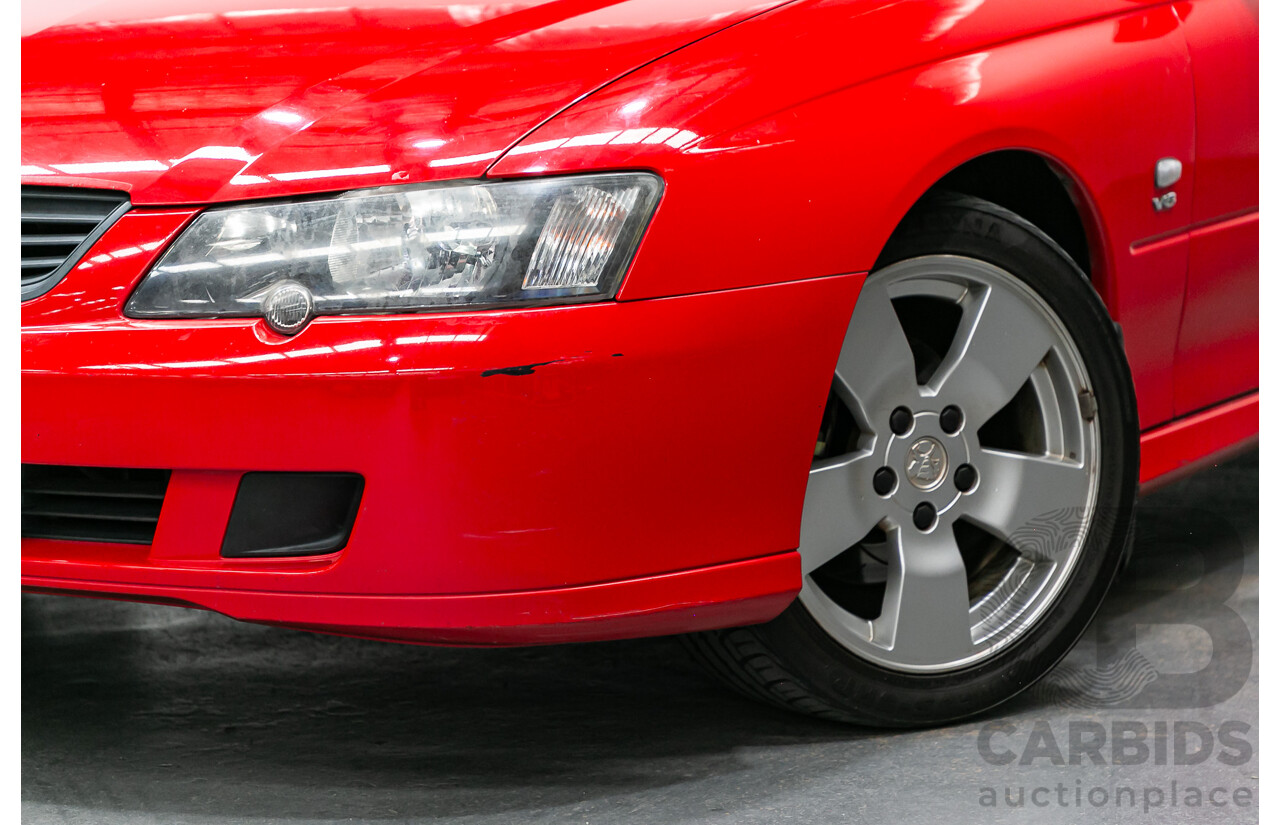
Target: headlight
x: 404, y: 250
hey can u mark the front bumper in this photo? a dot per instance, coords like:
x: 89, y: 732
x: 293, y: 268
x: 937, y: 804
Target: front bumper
x: 645, y: 476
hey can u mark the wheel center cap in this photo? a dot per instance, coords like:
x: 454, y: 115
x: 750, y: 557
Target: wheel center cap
x: 926, y: 463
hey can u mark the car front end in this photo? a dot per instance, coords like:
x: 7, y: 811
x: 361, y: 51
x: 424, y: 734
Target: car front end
x: 304, y: 358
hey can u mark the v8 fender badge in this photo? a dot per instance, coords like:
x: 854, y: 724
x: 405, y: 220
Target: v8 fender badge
x: 1168, y: 172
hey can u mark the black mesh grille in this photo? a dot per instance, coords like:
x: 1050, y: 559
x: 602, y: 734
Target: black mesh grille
x: 91, y: 503
x: 56, y: 221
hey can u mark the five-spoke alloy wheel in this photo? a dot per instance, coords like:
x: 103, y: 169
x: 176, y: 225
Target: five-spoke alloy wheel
x: 942, y: 606
x: 971, y: 491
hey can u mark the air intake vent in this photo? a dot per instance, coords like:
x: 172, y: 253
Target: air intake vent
x: 59, y: 224
x: 91, y: 503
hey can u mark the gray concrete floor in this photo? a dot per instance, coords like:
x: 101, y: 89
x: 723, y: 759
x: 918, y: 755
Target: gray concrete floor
x: 160, y: 715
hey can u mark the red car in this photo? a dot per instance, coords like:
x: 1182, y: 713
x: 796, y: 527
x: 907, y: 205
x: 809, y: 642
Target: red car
x: 839, y: 334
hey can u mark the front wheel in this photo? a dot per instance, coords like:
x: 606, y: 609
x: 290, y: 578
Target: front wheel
x: 971, y: 492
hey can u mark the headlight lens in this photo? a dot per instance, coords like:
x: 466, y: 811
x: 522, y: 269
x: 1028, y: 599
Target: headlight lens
x: 404, y: 250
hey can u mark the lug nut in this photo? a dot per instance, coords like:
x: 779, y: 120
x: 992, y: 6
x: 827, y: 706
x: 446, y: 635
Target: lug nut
x: 900, y: 421
x: 924, y: 516
x: 951, y: 418
x: 965, y: 477
x: 884, y: 481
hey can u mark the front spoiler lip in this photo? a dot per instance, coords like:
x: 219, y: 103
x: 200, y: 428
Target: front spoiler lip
x: 737, y: 593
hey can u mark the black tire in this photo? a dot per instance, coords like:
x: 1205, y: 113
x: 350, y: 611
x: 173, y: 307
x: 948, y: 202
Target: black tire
x: 792, y: 662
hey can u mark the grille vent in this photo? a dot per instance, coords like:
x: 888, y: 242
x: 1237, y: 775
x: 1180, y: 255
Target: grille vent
x: 92, y: 503
x: 59, y: 223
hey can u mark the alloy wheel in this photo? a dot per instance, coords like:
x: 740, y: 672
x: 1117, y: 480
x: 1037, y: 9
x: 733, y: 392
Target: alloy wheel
x: 956, y: 472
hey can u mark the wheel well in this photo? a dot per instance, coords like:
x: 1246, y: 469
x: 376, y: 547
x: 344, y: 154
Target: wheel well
x: 1028, y: 184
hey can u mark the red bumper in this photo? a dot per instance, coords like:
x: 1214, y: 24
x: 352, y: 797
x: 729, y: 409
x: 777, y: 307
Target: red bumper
x: 645, y: 476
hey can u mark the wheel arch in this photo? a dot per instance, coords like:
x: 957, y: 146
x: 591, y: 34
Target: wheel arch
x: 1036, y: 185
